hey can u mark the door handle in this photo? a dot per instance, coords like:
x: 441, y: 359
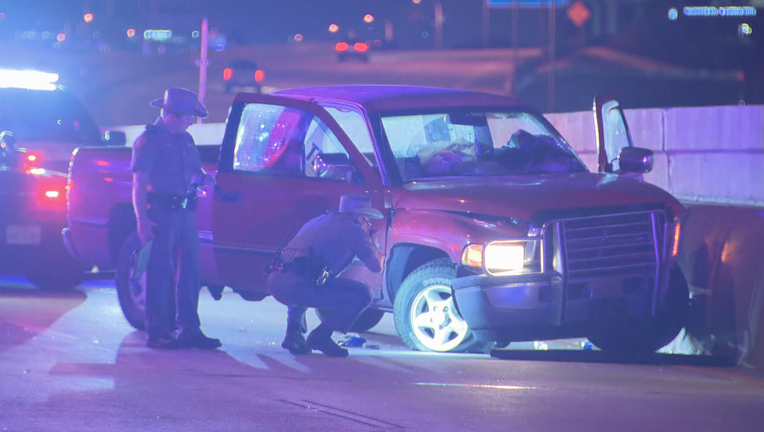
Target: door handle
x: 231, y: 196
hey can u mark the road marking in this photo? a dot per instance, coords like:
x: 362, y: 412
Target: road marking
x: 348, y: 415
x: 488, y: 386
x: 724, y: 374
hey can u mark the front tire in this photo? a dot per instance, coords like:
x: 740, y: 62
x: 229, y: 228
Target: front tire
x: 131, y: 291
x: 425, y: 316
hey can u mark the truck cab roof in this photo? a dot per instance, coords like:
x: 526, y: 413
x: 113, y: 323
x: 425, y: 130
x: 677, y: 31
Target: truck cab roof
x: 395, y: 97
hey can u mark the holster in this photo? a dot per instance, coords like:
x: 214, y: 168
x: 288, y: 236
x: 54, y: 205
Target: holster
x: 310, y: 268
x: 172, y: 202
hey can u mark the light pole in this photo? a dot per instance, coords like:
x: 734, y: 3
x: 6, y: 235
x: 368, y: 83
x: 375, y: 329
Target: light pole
x: 438, y: 25
x: 551, y: 49
x: 203, y: 65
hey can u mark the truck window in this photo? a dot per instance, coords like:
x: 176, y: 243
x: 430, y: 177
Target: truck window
x: 266, y: 142
x: 476, y: 143
x: 324, y: 156
x: 616, y: 135
x: 354, y: 125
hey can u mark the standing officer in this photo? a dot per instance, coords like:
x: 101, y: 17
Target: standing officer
x: 166, y: 171
x: 304, y: 275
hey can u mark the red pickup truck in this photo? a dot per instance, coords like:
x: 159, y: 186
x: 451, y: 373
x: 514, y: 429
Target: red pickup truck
x: 494, y: 229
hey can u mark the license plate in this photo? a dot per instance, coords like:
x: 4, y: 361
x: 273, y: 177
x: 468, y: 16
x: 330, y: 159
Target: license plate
x: 23, y: 234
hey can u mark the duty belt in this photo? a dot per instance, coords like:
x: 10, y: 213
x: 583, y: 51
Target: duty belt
x: 303, y: 267
x: 172, y: 202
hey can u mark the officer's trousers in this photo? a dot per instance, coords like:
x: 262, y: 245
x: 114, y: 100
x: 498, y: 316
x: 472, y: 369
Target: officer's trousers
x: 172, y: 275
x: 340, y: 301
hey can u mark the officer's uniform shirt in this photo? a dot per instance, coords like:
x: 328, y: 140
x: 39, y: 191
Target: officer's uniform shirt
x: 170, y: 159
x: 337, y: 239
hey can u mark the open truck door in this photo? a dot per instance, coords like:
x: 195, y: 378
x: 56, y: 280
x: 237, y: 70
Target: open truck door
x: 615, y: 150
x: 283, y: 162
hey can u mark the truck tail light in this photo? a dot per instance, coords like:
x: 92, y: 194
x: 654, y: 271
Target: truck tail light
x: 259, y: 75
x: 227, y: 74
x: 341, y: 46
x: 31, y: 162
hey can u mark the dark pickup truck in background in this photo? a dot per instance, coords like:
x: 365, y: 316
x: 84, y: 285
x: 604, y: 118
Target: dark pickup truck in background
x: 494, y: 229
x: 40, y: 125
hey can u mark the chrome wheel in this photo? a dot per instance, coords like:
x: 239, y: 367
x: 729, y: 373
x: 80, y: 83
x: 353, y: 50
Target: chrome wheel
x: 436, y: 323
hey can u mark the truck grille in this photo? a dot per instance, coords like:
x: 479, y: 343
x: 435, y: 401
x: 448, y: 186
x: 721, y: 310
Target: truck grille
x: 612, y: 244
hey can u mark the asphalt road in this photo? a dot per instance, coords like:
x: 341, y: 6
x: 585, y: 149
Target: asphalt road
x: 69, y: 361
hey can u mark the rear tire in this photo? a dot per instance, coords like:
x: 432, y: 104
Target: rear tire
x: 58, y: 279
x: 425, y: 316
x: 58, y: 272
x: 131, y: 292
x: 368, y: 319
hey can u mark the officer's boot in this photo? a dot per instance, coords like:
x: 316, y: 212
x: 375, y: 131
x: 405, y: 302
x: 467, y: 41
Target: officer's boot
x: 321, y: 339
x: 294, y: 341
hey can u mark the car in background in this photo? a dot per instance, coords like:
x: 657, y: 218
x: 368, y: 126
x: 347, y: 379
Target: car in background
x: 352, y: 49
x: 243, y: 75
x: 40, y: 126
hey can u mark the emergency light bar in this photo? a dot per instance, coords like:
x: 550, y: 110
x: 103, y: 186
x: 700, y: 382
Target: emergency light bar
x: 27, y: 79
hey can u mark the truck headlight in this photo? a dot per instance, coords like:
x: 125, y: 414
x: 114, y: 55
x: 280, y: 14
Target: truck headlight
x: 505, y: 257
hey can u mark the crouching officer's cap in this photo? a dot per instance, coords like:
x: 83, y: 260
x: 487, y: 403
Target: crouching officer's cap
x: 180, y: 101
x: 360, y: 205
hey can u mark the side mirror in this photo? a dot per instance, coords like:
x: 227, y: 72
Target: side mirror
x: 115, y: 139
x: 635, y: 160
x: 335, y: 166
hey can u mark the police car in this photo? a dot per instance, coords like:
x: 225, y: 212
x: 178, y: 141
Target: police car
x: 40, y: 125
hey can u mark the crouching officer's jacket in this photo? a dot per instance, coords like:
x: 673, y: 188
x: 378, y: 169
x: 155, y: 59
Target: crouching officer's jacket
x: 335, y: 240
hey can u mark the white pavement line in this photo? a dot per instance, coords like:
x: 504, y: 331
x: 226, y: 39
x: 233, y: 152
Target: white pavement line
x: 348, y: 415
x: 485, y: 386
x: 41, y: 330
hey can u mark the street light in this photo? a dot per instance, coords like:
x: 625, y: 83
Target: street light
x: 334, y: 28
x: 368, y: 18
x: 88, y: 17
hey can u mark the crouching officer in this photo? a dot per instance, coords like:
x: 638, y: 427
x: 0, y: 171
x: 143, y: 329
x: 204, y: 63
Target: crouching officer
x: 305, y: 274
x: 166, y: 171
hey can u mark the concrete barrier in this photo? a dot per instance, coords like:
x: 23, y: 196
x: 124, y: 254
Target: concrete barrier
x: 204, y: 134
x: 704, y: 154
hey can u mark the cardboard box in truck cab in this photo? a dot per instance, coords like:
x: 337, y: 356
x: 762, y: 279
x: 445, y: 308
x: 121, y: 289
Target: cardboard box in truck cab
x: 494, y: 229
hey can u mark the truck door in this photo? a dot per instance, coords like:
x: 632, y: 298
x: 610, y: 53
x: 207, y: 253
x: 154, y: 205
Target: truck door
x: 612, y: 132
x: 283, y: 162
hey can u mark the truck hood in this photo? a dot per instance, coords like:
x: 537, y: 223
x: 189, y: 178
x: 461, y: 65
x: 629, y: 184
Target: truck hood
x: 525, y: 197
